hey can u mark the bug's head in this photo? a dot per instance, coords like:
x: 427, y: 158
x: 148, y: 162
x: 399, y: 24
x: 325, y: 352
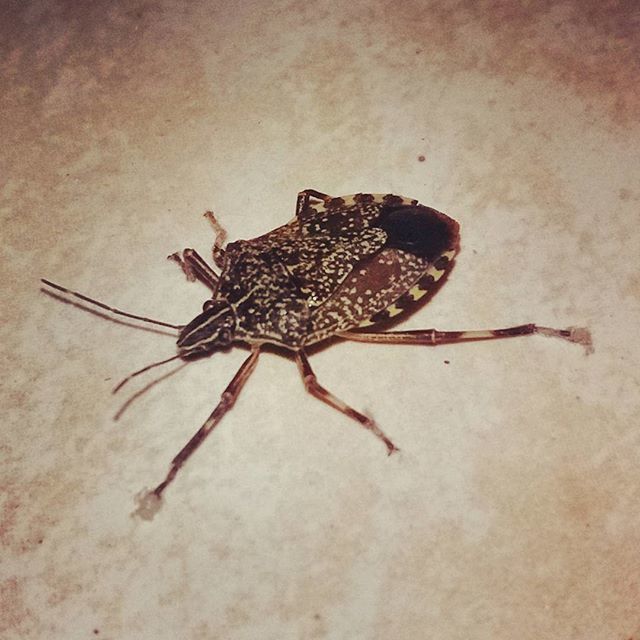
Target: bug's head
x: 213, y: 329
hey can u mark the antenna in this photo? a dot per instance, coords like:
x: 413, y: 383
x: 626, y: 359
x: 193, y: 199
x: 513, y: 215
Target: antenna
x: 84, y: 298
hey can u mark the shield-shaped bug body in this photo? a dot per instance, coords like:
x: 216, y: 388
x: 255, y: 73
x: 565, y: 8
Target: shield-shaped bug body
x: 340, y: 267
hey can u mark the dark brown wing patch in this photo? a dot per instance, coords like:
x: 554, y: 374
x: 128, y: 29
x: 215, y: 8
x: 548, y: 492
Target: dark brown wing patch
x: 417, y: 229
x: 419, y: 250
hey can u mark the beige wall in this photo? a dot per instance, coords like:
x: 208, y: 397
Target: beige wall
x: 511, y: 510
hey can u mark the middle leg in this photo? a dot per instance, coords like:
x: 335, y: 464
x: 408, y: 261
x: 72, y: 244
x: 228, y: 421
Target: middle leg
x: 221, y: 235
x: 315, y: 389
x: 303, y: 199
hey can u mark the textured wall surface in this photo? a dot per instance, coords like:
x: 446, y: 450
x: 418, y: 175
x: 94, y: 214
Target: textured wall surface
x: 511, y: 510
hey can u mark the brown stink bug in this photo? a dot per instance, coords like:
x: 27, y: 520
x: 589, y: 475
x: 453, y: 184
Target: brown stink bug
x: 340, y: 266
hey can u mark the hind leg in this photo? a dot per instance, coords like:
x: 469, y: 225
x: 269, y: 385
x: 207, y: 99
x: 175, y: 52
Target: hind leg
x: 578, y: 335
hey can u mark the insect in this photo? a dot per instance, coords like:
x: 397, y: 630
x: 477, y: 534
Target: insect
x: 341, y: 267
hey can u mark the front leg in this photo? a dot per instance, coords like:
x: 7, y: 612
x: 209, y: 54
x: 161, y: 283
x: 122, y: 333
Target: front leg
x: 149, y: 501
x: 195, y: 267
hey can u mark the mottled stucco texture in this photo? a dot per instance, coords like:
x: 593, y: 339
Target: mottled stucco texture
x: 511, y: 510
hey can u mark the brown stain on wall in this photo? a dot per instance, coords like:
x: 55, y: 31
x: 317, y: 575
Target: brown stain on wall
x: 79, y: 100
x: 561, y: 546
x: 15, y: 615
x: 590, y: 47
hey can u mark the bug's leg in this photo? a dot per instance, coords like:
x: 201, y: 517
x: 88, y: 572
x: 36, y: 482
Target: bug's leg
x: 579, y: 335
x: 315, y: 389
x: 195, y: 267
x: 303, y: 199
x: 221, y: 235
x: 227, y: 400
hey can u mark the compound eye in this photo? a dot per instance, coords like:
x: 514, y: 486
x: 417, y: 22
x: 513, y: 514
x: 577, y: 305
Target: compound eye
x: 207, y: 305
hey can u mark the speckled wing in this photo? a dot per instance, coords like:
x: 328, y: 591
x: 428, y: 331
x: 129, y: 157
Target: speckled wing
x: 342, y: 264
x: 325, y: 261
x: 420, y: 244
x: 331, y: 238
